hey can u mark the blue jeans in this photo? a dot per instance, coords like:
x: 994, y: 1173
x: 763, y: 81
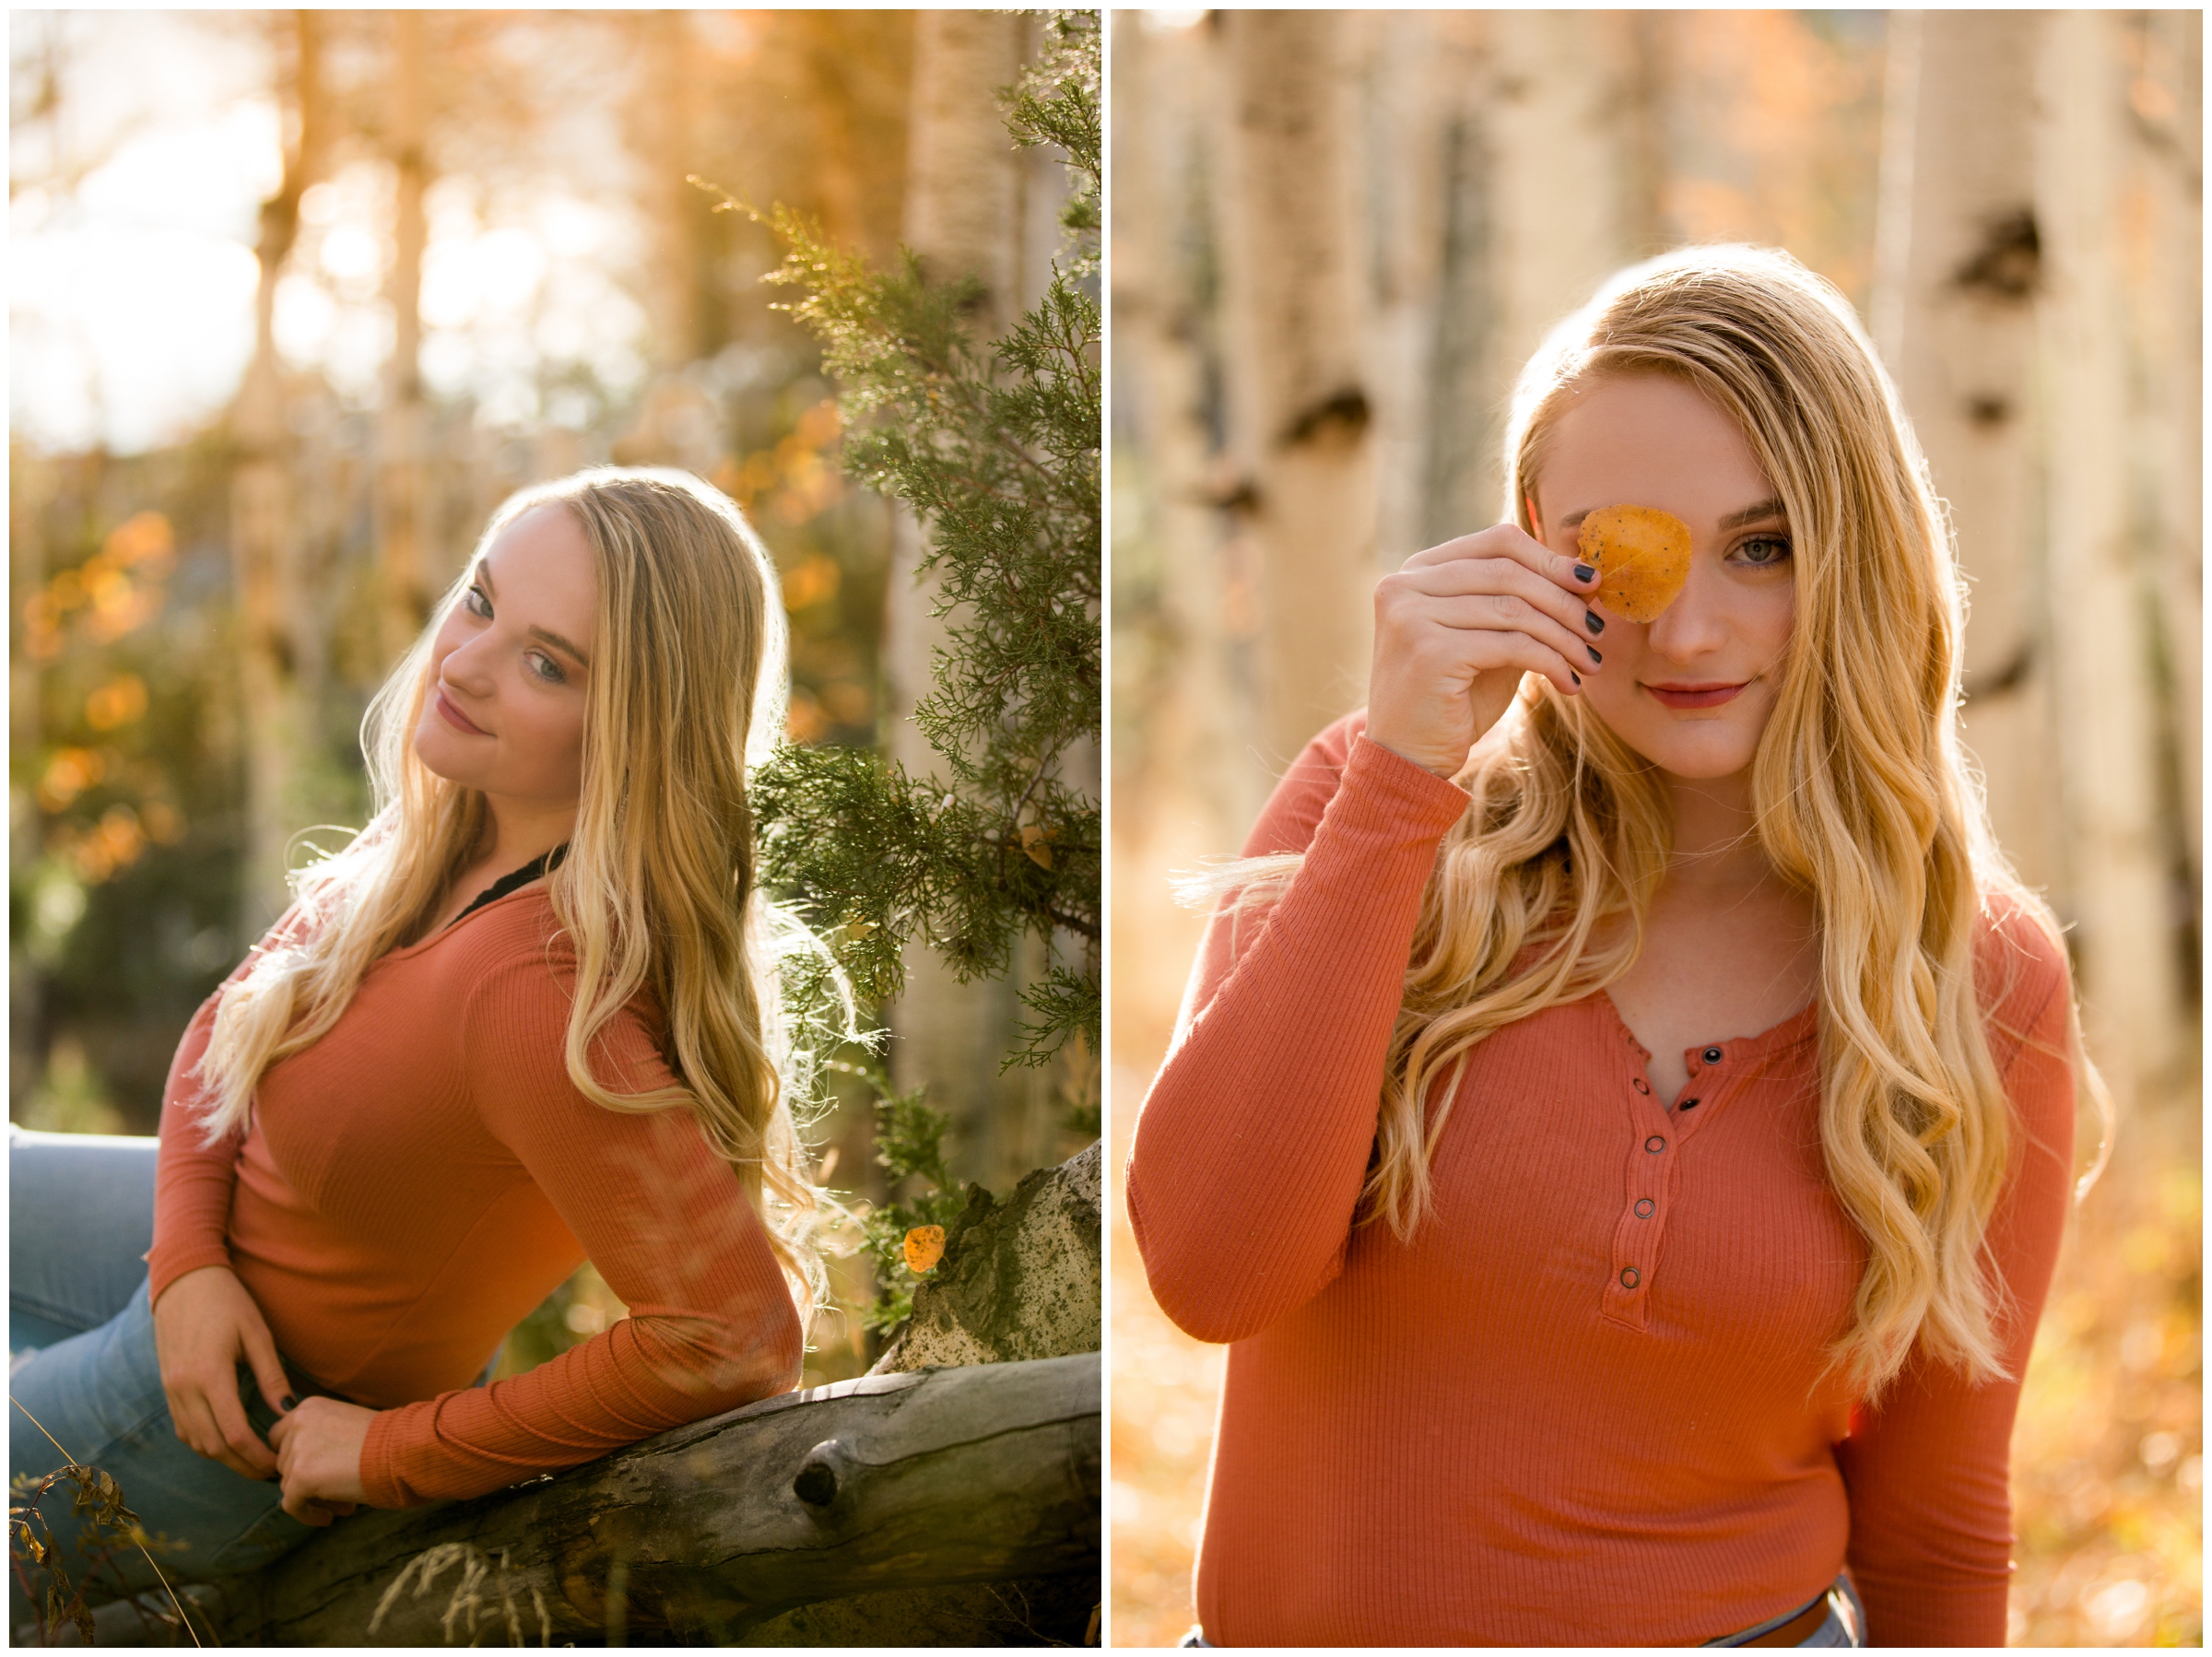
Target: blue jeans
x: 80, y: 1217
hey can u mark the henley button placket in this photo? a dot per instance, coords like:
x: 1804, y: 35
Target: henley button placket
x: 1636, y: 1237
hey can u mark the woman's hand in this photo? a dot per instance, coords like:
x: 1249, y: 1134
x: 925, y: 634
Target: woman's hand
x: 319, y: 1456
x: 1457, y: 625
x: 204, y: 1324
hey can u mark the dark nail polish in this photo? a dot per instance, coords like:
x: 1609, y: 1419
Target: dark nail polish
x: 289, y: 1404
x: 1593, y: 655
x: 1594, y: 621
x: 1584, y: 572
x: 1574, y: 675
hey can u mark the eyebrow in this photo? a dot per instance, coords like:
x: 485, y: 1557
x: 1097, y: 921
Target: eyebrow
x: 547, y: 634
x: 1750, y: 514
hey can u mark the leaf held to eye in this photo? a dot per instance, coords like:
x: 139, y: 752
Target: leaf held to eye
x: 1643, y: 554
x: 923, y: 1248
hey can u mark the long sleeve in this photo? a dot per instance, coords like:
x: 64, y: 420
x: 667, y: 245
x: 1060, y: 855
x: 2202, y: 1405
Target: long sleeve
x: 1253, y: 1145
x: 712, y: 1324
x: 1931, y: 1517
x: 193, y: 1180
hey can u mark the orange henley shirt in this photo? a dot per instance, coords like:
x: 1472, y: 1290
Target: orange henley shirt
x: 421, y: 1177
x: 1585, y: 1405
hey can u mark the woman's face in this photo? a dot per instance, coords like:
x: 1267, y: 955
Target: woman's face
x: 1692, y: 691
x: 505, y: 712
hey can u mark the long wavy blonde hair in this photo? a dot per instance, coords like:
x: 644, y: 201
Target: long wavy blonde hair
x: 1862, y: 795
x: 657, y: 890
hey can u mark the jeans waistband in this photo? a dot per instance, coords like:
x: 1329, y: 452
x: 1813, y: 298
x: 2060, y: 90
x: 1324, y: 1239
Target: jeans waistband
x: 1844, y: 1626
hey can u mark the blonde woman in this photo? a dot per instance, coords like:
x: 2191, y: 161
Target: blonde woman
x: 526, y: 1018
x: 1622, y: 1117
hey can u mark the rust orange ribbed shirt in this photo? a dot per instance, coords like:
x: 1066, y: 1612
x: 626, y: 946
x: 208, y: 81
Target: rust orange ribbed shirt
x: 1585, y: 1405
x: 422, y: 1176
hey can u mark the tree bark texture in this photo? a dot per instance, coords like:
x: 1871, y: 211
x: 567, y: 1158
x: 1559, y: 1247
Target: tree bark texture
x: 1294, y: 323
x: 2117, y: 882
x: 2166, y: 122
x: 715, y: 1530
x: 1957, y: 274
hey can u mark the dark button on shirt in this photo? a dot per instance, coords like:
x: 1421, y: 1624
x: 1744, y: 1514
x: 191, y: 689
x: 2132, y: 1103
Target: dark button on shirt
x: 1712, y: 1055
x: 1644, y: 1209
x: 1642, y: 1086
x: 1629, y: 1276
x: 1654, y: 1144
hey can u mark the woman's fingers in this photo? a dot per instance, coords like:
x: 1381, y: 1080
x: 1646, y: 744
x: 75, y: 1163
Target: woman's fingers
x: 253, y: 1458
x: 1509, y: 541
x: 1501, y: 614
x: 306, y: 1509
x: 1496, y: 650
x: 268, y: 1368
x: 195, y: 1418
x: 1464, y: 578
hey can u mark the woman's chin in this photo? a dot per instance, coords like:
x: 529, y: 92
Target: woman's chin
x: 1695, y: 756
x: 437, y: 754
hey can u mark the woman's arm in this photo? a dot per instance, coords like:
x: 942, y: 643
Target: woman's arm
x: 193, y: 1180
x: 711, y: 1323
x: 1253, y: 1145
x: 1928, y: 1472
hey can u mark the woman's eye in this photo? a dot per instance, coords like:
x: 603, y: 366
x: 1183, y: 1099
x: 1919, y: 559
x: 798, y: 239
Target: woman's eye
x: 545, y: 669
x: 1764, y: 551
x: 476, y: 604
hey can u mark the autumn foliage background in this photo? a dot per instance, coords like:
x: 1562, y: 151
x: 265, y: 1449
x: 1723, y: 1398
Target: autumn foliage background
x: 1335, y: 238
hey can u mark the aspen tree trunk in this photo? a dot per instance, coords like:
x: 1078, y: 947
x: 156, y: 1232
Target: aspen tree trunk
x: 402, y: 513
x: 2168, y: 99
x: 278, y: 720
x: 963, y: 214
x: 1186, y: 781
x: 1561, y: 179
x: 1468, y: 376
x: 1957, y: 270
x: 1406, y: 109
x: 2116, y: 889
x: 1294, y: 318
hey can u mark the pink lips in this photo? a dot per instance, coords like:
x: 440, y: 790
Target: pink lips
x: 1693, y: 696
x: 458, y: 720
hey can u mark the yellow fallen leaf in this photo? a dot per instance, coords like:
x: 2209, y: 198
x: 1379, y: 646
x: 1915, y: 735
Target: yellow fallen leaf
x: 1644, y: 554
x: 924, y: 1247
x: 1036, y: 842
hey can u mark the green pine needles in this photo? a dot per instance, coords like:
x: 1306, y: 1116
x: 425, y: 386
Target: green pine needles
x: 996, y: 448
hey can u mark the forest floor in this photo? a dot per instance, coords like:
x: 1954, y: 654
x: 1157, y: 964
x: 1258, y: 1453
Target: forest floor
x: 2108, y: 1458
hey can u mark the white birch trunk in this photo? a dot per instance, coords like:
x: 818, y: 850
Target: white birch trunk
x: 1293, y: 318
x: 2169, y: 338
x: 2116, y: 889
x: 1187, y: 783
x: 1560, y: 178
x: 1956, y: 275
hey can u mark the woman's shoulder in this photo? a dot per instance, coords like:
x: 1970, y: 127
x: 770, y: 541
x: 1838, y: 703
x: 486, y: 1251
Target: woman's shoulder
x: 2021, y: 972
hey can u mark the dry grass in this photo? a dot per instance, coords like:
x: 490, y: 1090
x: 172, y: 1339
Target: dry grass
x: 2108, y: 1459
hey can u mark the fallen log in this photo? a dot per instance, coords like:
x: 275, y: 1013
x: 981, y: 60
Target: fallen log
x: 937, y: 1477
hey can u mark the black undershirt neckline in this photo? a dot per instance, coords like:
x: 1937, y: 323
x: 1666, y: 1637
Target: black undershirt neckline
x: 508, y: 883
